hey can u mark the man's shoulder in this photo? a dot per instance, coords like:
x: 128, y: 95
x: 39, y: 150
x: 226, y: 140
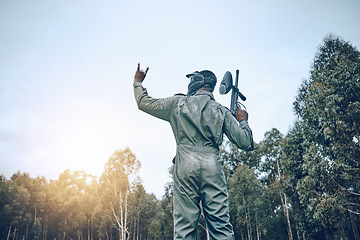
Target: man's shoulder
x: 223, y: 108
x: 213, y: 101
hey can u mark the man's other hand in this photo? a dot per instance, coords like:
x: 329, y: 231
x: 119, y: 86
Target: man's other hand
x: 242, y: 115
x: 140, y: 74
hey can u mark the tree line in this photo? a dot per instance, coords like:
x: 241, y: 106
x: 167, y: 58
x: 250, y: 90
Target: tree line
x: 298, y: 186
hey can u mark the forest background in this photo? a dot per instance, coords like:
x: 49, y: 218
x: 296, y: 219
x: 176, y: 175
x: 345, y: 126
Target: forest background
x: 302, y: 185
x: 66, y: 102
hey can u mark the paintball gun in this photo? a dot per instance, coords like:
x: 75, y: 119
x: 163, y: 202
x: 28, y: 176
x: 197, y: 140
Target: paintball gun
x: 227, y: 85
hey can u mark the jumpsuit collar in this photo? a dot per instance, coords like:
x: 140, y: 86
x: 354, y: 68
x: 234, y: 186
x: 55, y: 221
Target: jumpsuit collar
x: 203, y: 92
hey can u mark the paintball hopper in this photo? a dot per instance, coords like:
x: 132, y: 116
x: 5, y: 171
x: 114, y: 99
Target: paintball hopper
x: 226, y: 83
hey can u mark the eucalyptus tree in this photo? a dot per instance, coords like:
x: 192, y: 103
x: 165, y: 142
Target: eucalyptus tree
x: 120, y: 170
x: 328, y: 109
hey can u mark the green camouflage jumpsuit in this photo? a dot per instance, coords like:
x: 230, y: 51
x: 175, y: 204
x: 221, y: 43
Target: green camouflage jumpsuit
x: 198, y: 123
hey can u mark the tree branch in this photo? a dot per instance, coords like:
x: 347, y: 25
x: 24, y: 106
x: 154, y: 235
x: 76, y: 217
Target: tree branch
x: 349, y: 210
x: 344, y: 188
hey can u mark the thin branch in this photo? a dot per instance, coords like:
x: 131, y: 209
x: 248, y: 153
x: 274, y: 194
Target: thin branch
x: 349, y: 210
x: 114, y: 213
x: 344, y: 188
x: 352, y: 169
x: 352, y: 204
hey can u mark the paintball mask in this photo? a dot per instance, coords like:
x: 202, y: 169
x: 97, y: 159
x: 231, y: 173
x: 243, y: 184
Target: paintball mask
x: 201, y: 79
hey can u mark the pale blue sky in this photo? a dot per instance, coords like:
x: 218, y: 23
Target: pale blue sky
x: 66, y: 72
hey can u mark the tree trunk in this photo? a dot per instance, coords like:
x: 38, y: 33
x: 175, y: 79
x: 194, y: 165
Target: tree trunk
x: 286, y: 214
x: 88, y: 221
x: 35, y: 211
x: 14, y: 234
x: 354, y: 227
x: 121, y: 220
x: 92, y: 229
x: 250, y: 225
x: 248, y: 222
x: 45, y: 231
x: 257, y: 228
x: 138, y: 226
x: 297, y: 232
x: 342, y: 231
x: 27, y: 231
x: 288, y: 218
x: 284, y: 205
x: 242, y: 235
x: 8, y: 236
x: 126, y: 232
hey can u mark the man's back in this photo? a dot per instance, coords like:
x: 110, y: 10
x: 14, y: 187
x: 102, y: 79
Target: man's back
x: 197, y: 120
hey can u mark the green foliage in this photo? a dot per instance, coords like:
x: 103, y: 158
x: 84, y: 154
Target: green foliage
x: 323, y: 147
x: 233, y: 156
x: 255, y: 202
x: 167, y: 222
x: 76, y: 206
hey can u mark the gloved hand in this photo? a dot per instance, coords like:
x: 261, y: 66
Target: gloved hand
x: 140, y: 74
x: 242, y: 115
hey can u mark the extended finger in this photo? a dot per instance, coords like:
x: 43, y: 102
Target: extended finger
x: 147, y: 69
x: 138, y: 68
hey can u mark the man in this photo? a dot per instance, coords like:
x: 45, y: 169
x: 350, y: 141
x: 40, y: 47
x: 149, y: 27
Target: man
x: 198, y: 123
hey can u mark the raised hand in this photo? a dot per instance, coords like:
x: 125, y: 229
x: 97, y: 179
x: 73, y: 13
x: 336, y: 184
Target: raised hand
x: 140, y: 74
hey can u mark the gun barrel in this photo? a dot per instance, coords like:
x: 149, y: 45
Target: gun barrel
x: 237, y: 78
x: 235, y: 95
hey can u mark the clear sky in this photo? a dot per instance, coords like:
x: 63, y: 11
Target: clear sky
x: 67, y: 67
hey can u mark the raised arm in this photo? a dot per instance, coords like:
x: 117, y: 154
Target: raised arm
x: 157, y: 107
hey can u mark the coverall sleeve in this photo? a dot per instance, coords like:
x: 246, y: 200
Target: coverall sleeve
x: 157, y: 107
x: 239, y: 133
